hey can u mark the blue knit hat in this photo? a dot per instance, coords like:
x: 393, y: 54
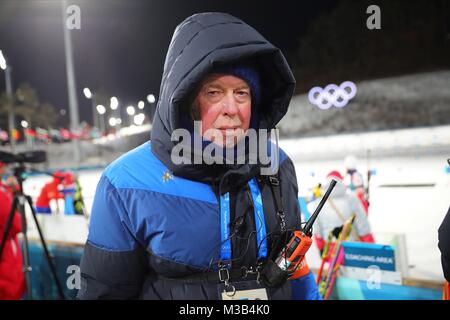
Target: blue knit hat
x: 247, y: 73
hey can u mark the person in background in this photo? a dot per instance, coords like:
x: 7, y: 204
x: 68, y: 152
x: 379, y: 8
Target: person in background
x: 8, y: 180
x: 316, y: 191
x: 50, y: 191
x: 78, y: 201
x: 354, y: 181
x: 339, y: 207
x: 68, y: 190
x: 12, y: 280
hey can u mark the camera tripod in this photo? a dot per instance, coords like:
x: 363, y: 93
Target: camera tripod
x: 19, y: 202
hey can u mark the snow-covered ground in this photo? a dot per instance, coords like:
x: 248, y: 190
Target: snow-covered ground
x: 409, y: 191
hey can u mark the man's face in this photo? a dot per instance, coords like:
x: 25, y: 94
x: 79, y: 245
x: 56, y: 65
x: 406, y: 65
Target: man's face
x: 224, y: 103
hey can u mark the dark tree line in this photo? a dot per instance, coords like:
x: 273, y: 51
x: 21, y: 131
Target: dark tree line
x: 28, y: 107
x: 338, y: 46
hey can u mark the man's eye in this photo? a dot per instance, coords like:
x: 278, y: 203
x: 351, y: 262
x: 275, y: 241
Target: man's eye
x: 242, y: 93
x: 213, y: 92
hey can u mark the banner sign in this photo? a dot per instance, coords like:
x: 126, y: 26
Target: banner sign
x: 365, y: 255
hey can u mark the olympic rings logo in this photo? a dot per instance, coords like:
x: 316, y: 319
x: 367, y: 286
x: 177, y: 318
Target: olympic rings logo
x: 332, y: 95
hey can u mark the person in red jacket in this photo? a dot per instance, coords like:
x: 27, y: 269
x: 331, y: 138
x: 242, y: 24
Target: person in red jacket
x: 49, y: 192
x: 12, y: 281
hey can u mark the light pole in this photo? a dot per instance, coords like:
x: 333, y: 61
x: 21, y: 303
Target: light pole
x: 89, y: 95
x: 114, y: 104
x: 24, y: 125
x: 11, y: 118
x: 131, y: 111
x: 101, y: 111
x: 151, y: 99
x: 139, y: 119
x: 112, y: 122
x: 71, y: 86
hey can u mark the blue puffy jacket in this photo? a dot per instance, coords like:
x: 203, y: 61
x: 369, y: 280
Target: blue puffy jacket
x: 154, y: 222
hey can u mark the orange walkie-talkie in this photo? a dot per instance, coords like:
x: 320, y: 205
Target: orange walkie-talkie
x: 291, y: 256
x: 290, y: 259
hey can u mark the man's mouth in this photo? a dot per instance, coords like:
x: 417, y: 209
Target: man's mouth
x: 229, y: 128
x: 231, y: 132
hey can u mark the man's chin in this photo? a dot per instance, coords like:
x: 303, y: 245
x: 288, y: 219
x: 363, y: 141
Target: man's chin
x: 227, y: 142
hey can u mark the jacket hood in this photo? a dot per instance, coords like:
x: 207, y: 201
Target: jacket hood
x: 200, y: 43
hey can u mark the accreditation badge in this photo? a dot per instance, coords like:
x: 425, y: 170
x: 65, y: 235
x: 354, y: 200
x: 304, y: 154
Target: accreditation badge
x: 245, y: 290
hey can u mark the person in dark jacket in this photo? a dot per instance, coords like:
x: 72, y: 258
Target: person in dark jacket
x: 167, y: 229
x: 444, y: 245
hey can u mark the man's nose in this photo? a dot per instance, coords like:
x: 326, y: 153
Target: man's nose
x: 229, y: 105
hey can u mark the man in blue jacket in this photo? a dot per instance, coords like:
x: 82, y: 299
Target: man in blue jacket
x: 166, y: 225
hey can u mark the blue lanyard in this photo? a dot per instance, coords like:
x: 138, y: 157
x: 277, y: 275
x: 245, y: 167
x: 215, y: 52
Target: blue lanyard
x: 225, y: 253
x: 259, y: 219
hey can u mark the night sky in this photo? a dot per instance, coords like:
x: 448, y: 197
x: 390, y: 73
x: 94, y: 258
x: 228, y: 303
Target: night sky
x: 122, y: 44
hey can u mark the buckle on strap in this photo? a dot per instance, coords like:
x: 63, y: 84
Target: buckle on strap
x: 274, y: 181
x: 244, y: 272
x: 224, y: 275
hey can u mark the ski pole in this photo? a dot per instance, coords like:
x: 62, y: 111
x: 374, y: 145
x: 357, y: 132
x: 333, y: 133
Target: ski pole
x: 333, y: 279
x: 326, y: 249
x: 335, y: 254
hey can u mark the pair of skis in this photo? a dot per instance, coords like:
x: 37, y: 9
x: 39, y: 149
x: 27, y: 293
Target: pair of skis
x: 331, y: 256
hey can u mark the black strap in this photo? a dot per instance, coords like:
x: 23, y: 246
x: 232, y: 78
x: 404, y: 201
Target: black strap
x: 212, y: 277
x: 275, y: 187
